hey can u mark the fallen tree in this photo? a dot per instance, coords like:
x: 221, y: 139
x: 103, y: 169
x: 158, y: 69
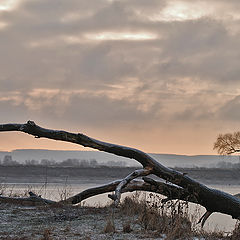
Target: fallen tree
x: 182, y: 187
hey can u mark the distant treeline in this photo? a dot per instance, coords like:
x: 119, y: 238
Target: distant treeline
x: 228, y: 165
x: 70, y: 162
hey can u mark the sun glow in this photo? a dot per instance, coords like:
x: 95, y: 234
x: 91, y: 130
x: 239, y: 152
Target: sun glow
x: 181, y: 11
x: 121, y: 36
x: 6, y: 5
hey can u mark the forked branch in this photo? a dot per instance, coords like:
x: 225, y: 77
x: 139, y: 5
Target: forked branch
x: 137, y: 173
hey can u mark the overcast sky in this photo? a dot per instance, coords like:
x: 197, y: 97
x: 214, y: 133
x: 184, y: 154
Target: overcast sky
x: 161, y: 76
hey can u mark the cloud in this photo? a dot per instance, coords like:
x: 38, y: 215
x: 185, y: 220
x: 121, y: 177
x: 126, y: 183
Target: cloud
x: 229, y: 111
x: 113, y: 63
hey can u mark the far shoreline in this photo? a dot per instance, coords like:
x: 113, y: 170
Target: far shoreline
x: 74, y: 175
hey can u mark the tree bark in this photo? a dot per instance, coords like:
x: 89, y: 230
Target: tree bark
x: 213, y: 200
x: 170, y: 191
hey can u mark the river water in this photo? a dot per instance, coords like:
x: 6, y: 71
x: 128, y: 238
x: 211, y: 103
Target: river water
x: 58, y: 191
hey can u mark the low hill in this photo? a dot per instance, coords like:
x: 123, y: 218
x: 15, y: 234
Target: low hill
x: 170, y: 160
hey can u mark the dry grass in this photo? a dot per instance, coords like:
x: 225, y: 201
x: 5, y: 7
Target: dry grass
x: 153, y: 217
x: 127, y: 227
x: 46, y: 235
x: 171, y: 219
x: 236, y: 232
x: 110, y: 227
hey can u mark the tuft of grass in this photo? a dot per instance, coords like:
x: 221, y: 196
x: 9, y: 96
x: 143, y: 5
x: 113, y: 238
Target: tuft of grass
x: 46, y: 235
x: 127, y: 227
x: 67, y: 229
x: 109, y: 227
x: 171, y: 218
x: 181, y: 228
x: 131, y: 205
x: 236, y: 232
x: 2, y: 189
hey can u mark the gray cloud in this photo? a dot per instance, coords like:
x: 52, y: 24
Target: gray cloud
x: 51, y: 68
x: 229, y: 111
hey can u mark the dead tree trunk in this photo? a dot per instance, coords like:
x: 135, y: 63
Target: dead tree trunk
x: 187, y: 188
x: 32, y: 200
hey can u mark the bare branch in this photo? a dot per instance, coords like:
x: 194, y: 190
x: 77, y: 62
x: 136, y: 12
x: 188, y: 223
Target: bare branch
x: 170, y: 191
x: 137, y: 173
x: 149, y: 185
x: 204, y: 218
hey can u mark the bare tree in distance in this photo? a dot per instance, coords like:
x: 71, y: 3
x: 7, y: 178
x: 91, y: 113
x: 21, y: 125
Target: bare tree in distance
x: 228, y: 143
x: 177, y: 186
